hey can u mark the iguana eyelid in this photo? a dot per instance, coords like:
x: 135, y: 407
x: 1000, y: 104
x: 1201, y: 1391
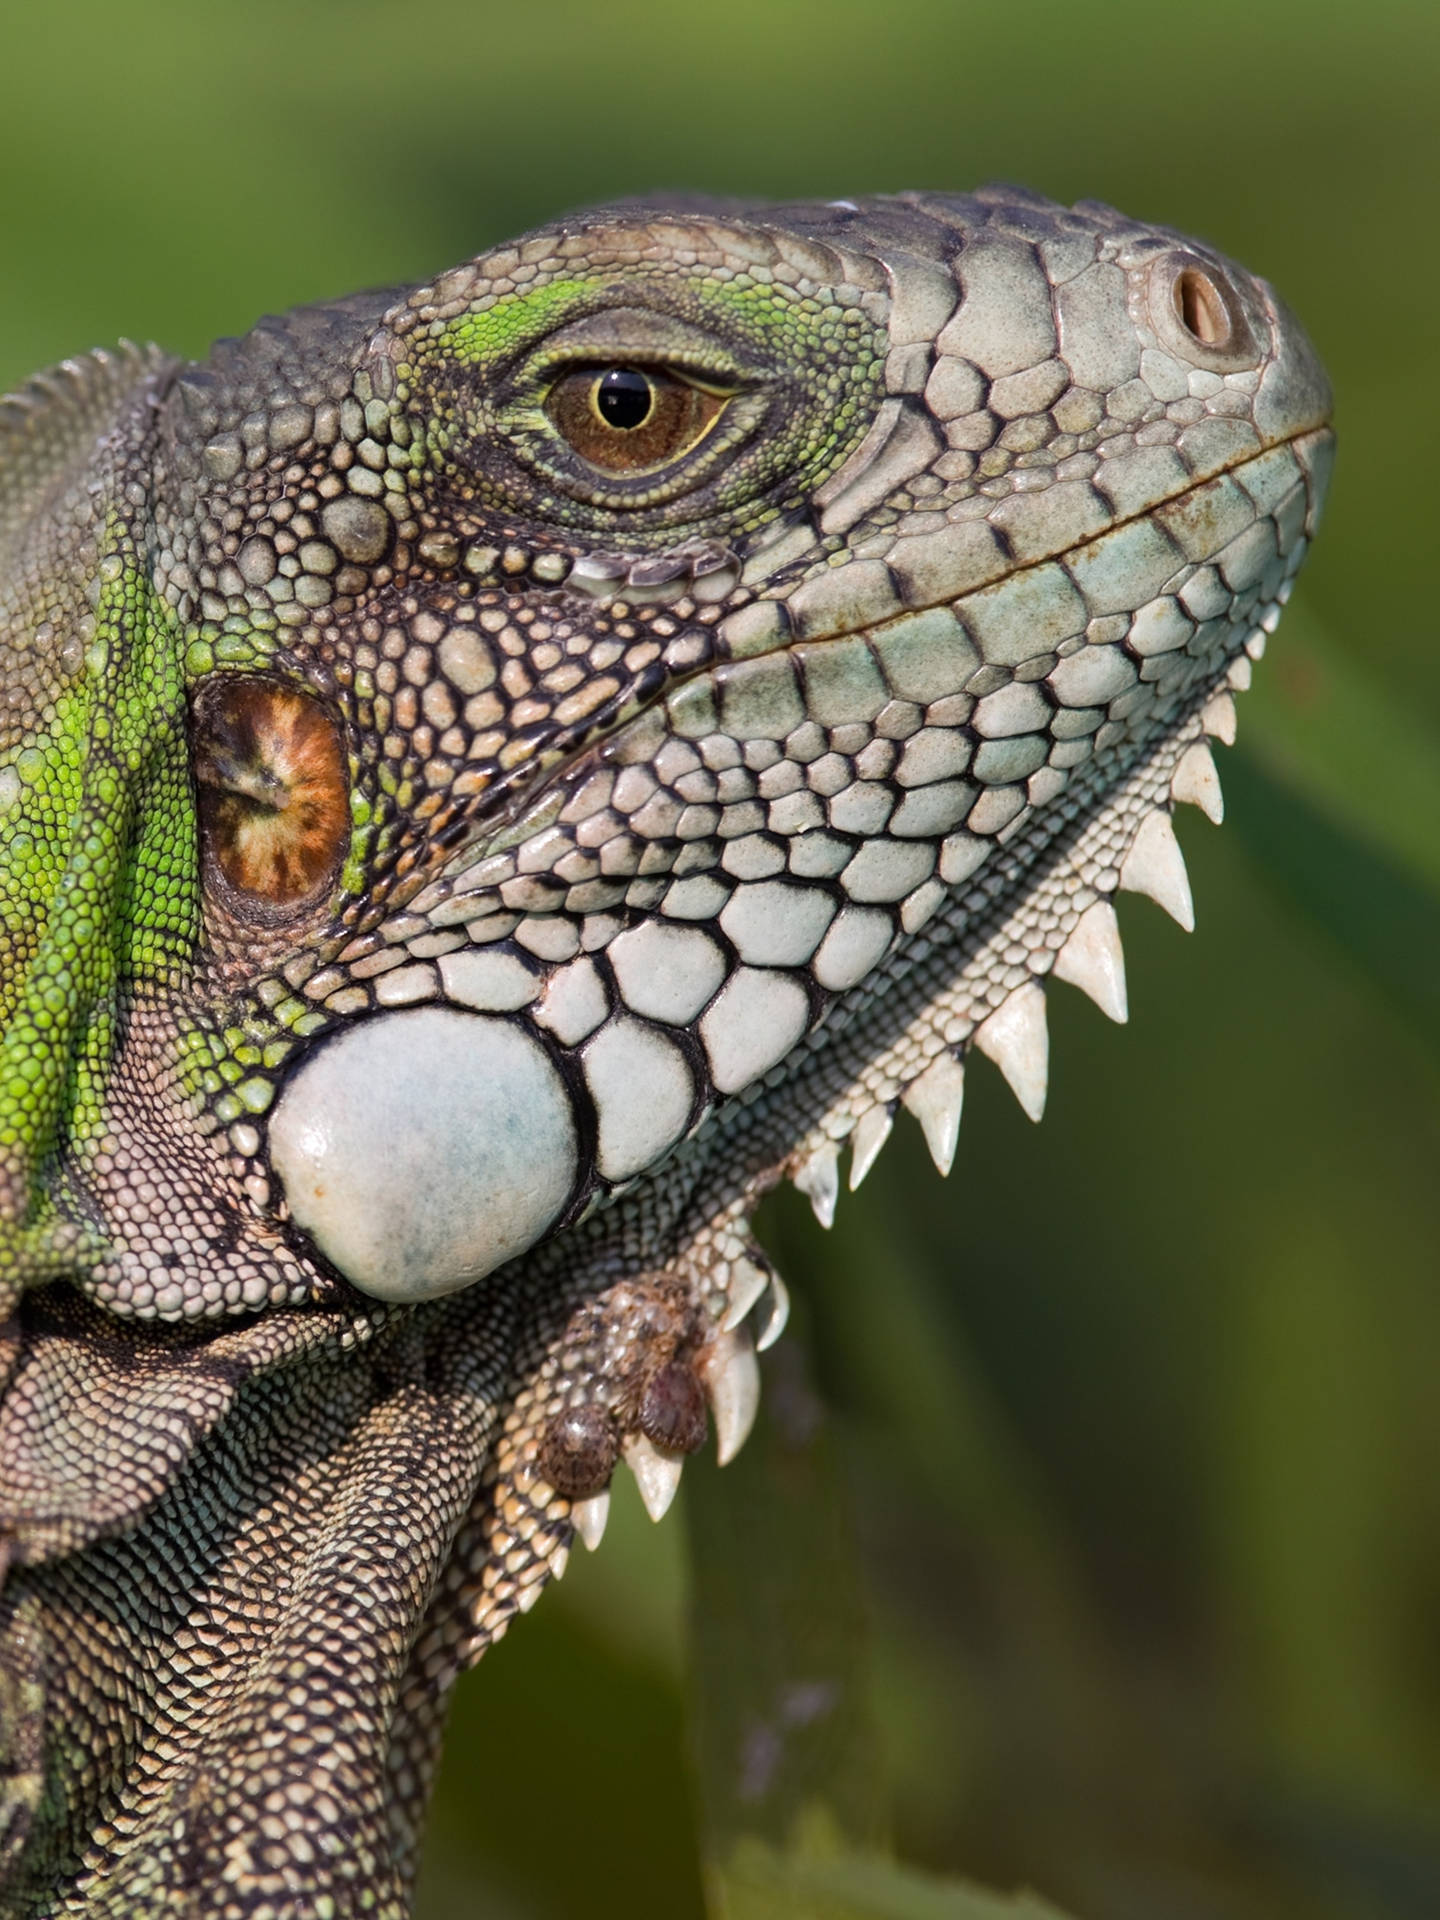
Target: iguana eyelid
x: 721, y: 387
x: 639, y: 337
x: 724, y: 383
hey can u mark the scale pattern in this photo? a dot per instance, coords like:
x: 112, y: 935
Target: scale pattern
x: 448, y: 874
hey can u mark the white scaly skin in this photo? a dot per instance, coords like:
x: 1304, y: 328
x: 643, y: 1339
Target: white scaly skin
x: 722, y: 823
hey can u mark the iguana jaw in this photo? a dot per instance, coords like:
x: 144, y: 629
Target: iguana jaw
x: 563, y: 768
x: 975, y: 977
x: 1223, y: 547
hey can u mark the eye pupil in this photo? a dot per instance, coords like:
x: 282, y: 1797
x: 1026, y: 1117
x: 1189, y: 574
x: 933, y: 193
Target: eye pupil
x: 624, y: 399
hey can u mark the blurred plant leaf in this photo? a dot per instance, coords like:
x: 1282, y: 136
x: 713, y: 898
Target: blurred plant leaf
x: 793, y: 1796
x: 1387, y: 921
x: 1321, y: 722
x: 777, y: 1659
x: 761, y: 1884
x: 1338, y: 797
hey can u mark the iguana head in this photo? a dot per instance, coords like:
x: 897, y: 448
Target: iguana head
x: 492, y: 777
x: 596, y: 671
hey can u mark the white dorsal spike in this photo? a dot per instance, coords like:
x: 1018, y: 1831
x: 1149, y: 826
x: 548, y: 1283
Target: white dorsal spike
x: 1255, y: 644
x: 732, y: 1381
x: 590, y: 1516
x: 819, y: 1180
x: 872, y: 1130
x: 935, y: 1099
x: 1238, y: 673
x: 1018, y: 1041
x: 1197, y: 784
x: 559, y: 1560
x: 528, y: 1595
x: 657, y: 1474
x: 1155, y: 866
x: 771, y: 1314
x: 1218, y: 718
x: 1093, y: 960
x: 747, y: 1282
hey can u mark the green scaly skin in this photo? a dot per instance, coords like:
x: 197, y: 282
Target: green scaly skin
x: 672, y: 823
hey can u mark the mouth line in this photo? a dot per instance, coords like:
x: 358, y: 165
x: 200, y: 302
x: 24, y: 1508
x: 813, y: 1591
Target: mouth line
x: 532, y: 809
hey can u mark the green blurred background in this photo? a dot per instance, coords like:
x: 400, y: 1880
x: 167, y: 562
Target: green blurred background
x: 1117, y: 1508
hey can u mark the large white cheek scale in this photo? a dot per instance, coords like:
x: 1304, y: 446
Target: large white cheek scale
x: 422, y: 1150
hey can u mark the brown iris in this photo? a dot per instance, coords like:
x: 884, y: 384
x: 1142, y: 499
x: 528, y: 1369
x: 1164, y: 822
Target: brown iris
x: 630, y: 419
x: 274, y: 798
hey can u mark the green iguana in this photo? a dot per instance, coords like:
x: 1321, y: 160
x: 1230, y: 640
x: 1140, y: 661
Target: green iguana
x: 493, y: 776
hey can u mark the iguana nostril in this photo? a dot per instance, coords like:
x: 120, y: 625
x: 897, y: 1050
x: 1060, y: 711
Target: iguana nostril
x: 1200, y: 314
x: 1200, y: 308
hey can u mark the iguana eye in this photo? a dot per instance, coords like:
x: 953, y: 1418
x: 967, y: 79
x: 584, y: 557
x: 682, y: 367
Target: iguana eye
x: 270, y: 775
x: 631, y: 419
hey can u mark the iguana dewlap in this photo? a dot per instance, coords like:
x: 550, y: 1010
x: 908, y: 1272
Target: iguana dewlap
x: 493, y: 776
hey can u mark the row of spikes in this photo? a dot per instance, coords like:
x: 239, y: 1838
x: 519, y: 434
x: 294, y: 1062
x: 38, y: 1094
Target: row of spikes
x: 1016, y: 1038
